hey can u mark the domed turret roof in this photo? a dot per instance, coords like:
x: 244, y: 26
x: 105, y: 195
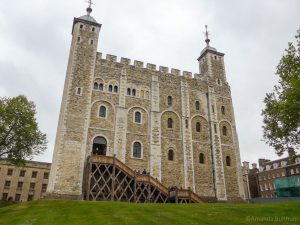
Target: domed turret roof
x: 88, y: 18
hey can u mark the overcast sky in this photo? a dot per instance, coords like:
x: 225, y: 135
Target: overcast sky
x: 35, y: 40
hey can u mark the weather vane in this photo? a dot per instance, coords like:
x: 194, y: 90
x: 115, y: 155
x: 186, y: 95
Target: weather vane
x: 89, y: 9
x: 90, y: 3
x: 207, y: 40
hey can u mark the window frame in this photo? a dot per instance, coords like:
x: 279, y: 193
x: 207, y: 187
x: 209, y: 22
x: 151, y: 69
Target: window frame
x: 141, y: 149
x: 169, y: 100
x: 110, y: 88
x: 99, y: 112
x: 172, y: 158
x: 224, y: 131
x: 198, y: 127
x: 197, y: 105
x: 201, y: 158
x: 228, y: 161
x: 223, y: 110
x: 134, y: 117
x: 170, y: 121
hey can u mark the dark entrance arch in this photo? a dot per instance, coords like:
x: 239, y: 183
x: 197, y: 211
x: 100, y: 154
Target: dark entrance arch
x: 99, y: 146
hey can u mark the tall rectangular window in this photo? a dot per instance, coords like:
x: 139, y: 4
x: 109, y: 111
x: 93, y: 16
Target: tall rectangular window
x: 22, y: 173
x: 46, y: 175
x: 9, y: 172
x: 34, y: 174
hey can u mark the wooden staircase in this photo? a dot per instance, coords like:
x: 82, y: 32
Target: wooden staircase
x: 108, y: 179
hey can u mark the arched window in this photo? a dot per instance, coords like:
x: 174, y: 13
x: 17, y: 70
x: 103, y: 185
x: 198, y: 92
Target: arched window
x: 96, y: 86
x: 201, y: 158
x: 223, y: 110
x: 137, y: 150
x: 197, y: 104
x: 101, y: 87
x: 224, y: 130
x: 116, y: 89
x: 133, y: 92
x: 170, y: 100
x: 102, y: 112
x: 228, y: 161
x: 128, y: 91
x: 137, y: 117
x: 110, y: 88
x: 99, y: 146
x: 170, y: 123
x: 198, y: 127
x: 170, y: 155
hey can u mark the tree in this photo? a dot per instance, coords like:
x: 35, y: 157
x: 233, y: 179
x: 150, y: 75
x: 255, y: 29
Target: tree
x: 281, y: 128
x: 20, y: 137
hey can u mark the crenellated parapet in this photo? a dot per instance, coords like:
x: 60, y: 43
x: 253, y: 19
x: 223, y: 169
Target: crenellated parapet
x: 148, y: 66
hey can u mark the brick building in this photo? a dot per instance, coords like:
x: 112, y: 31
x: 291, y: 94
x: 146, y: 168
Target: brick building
x: 268, y: 172
x: 23, y: 183
x: 177, y: 126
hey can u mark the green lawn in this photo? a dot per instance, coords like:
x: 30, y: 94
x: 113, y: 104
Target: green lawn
x: 108, y: 213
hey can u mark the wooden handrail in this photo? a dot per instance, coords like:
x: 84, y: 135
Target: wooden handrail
x: 183, y: 193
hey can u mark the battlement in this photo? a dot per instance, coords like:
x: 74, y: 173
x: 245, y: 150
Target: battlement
x: 149, y: 66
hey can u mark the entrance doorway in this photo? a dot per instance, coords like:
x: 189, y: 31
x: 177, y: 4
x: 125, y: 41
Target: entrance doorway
x: 99, y: 146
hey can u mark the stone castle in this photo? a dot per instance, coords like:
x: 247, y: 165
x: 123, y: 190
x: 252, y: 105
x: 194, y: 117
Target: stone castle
x: 178, y: 126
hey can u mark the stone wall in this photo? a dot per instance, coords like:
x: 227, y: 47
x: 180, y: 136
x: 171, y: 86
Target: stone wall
x: 159, y: 94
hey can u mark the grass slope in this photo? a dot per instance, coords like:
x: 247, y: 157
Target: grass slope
x: 117, y: 213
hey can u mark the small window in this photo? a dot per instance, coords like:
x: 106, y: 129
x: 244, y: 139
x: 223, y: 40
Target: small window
x: 92, y: 42
x: 46, y: 175
x: 18, y: 197
x: 34, y: 174
x: 137, y: 117
x: 102, y: 112
x: 170, y: 100
x: 32, y: 186
x: 9, y: 172
x: 137, y: 150
x: 223, y: 110
x: 228, y: 161
x: 170, y: 123
x: 7, y: 183
x: 197, y: 104
x: 170, y: 155
x: 133, y: 92
x: 78, y: 39
x: 22, y: 173
x: 101, y: 87
x: 116, y: 89
x: 215, y: 126
x: 44, y: 187
x: 81, y: 26
x: 224, y: 131
x: 198, y: 127
x: 78, y: 91
x: 30, y: 198
x: 201, y: 158
x: 20, y: 185
x: 128, y: 91
x: 96, y: 86
x: 213, y: 109
x: 93, y: 29
x: 110, y: 88
x: 186, y: 124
